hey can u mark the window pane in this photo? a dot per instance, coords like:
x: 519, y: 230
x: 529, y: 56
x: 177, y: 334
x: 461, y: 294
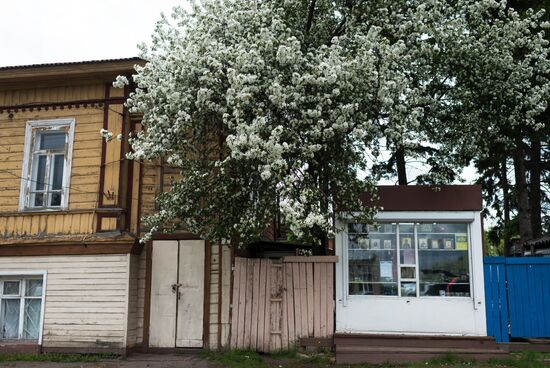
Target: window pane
x: 57, y: 172
x: 55, y: 199
x: 407, y: 244
x: 38, y: 199
x: 31, y: 322
x: 372, y: 259
x: 11, y: 287
x: 10, y: 318
x: 443, y: 259
x: 52, y: 140
x: 408, y: 289
x: 39, y: 176
x: 408, y: 272
x: 33, y: 288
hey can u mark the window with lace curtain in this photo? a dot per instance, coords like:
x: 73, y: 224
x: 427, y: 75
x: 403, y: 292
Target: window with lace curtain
x: 20, y: 307
x: 47, y: 164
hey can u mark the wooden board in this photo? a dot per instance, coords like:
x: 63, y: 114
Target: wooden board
x: 190, y: 302
x: 275, y: 304
x: 162, y: 330
x: 90, y: 312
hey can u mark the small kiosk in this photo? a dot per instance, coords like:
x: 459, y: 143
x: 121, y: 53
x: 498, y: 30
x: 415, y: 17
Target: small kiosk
x: 419, y: 270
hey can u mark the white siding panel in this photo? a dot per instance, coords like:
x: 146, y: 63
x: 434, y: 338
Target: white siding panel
x: 86, y: 303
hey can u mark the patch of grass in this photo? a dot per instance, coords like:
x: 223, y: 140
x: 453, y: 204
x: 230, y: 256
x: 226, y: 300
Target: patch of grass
x: 322, y: 357
x: 523, y: 359
x: 446, y: 360
x: 284, y: 354
x: 292, y: 358
x: 236, y: 358
x: 58, y: 358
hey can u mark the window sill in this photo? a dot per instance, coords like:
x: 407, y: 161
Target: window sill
x: 32, y: 212
x: 42, y: 210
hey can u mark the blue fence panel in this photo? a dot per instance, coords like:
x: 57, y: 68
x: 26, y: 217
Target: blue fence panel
x: 496, y: 305
x: 529, y: 296
x: 517, y: 294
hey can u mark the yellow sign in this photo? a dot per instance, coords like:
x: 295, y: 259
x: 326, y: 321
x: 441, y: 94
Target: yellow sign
x: 461, y: 241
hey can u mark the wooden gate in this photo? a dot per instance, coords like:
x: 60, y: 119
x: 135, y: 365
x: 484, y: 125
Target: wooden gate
x: 275, y: 303
x: 517, y: 293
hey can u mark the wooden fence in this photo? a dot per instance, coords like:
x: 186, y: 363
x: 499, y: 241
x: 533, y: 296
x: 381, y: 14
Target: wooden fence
x: 275, y: 303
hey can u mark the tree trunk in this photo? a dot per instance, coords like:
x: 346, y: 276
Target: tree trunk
x: 401, y: 169
x: 505, y: 204
x: 524, y: 214
x: 534, y: 186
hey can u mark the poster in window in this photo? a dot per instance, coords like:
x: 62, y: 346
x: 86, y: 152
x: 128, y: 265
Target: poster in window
x: 387, y: 243
x: 386, y: 269
x: 363, y: 243
x: 406, y: 242
x: 375, y: 243
x: 423, y: 243
x: 448, y: 243
x: 461, y: 241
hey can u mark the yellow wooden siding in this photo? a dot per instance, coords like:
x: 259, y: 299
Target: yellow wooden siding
x: 86, y: 160
x: 86, y: 298
x: 52, y: 94
x: 153, y: 186
x: 50, y: 223
x: 112, y: 157
x: 149, y: 187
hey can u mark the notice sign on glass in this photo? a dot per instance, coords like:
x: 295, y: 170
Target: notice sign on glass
x: 461, y: 241
x: 386, y: 269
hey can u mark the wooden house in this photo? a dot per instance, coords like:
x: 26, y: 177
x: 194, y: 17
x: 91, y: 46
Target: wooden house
x: 73, y: 274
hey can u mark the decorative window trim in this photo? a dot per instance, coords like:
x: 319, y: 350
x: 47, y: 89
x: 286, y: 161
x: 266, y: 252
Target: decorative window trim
x: 29, y: 275
x: 26, y: 174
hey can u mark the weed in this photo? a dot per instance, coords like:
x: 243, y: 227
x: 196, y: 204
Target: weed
x: 236, y: 358
x: 54, y: 357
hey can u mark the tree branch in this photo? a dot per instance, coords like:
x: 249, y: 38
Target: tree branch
x: 309, y: 21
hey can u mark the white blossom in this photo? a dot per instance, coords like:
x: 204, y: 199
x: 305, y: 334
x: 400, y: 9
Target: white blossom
x: 263, y: 116
x: 120, y: 81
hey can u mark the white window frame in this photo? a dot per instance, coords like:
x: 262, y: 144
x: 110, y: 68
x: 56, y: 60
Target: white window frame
x: 416, y: 264
x: 26, y: 175
x: 406, y: 217
x: 22, y: 276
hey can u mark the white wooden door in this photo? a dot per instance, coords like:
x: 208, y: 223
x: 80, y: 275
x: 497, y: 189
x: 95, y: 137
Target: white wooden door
x: 177, y: 294
x: 190, y: 312
x: 162, y: 330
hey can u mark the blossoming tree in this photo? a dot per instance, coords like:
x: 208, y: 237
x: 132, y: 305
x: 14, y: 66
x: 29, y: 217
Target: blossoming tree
x: 271, y: 107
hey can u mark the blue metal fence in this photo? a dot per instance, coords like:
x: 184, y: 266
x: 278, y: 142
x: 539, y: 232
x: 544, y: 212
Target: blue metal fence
x: 517, y: 297
x: 494, y: 269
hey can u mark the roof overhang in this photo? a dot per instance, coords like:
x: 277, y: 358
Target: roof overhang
x: 66, y: 73
x: 427, y: 198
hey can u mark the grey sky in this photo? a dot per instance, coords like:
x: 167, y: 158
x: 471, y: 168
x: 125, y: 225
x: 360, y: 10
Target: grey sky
x: 45, y: 31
